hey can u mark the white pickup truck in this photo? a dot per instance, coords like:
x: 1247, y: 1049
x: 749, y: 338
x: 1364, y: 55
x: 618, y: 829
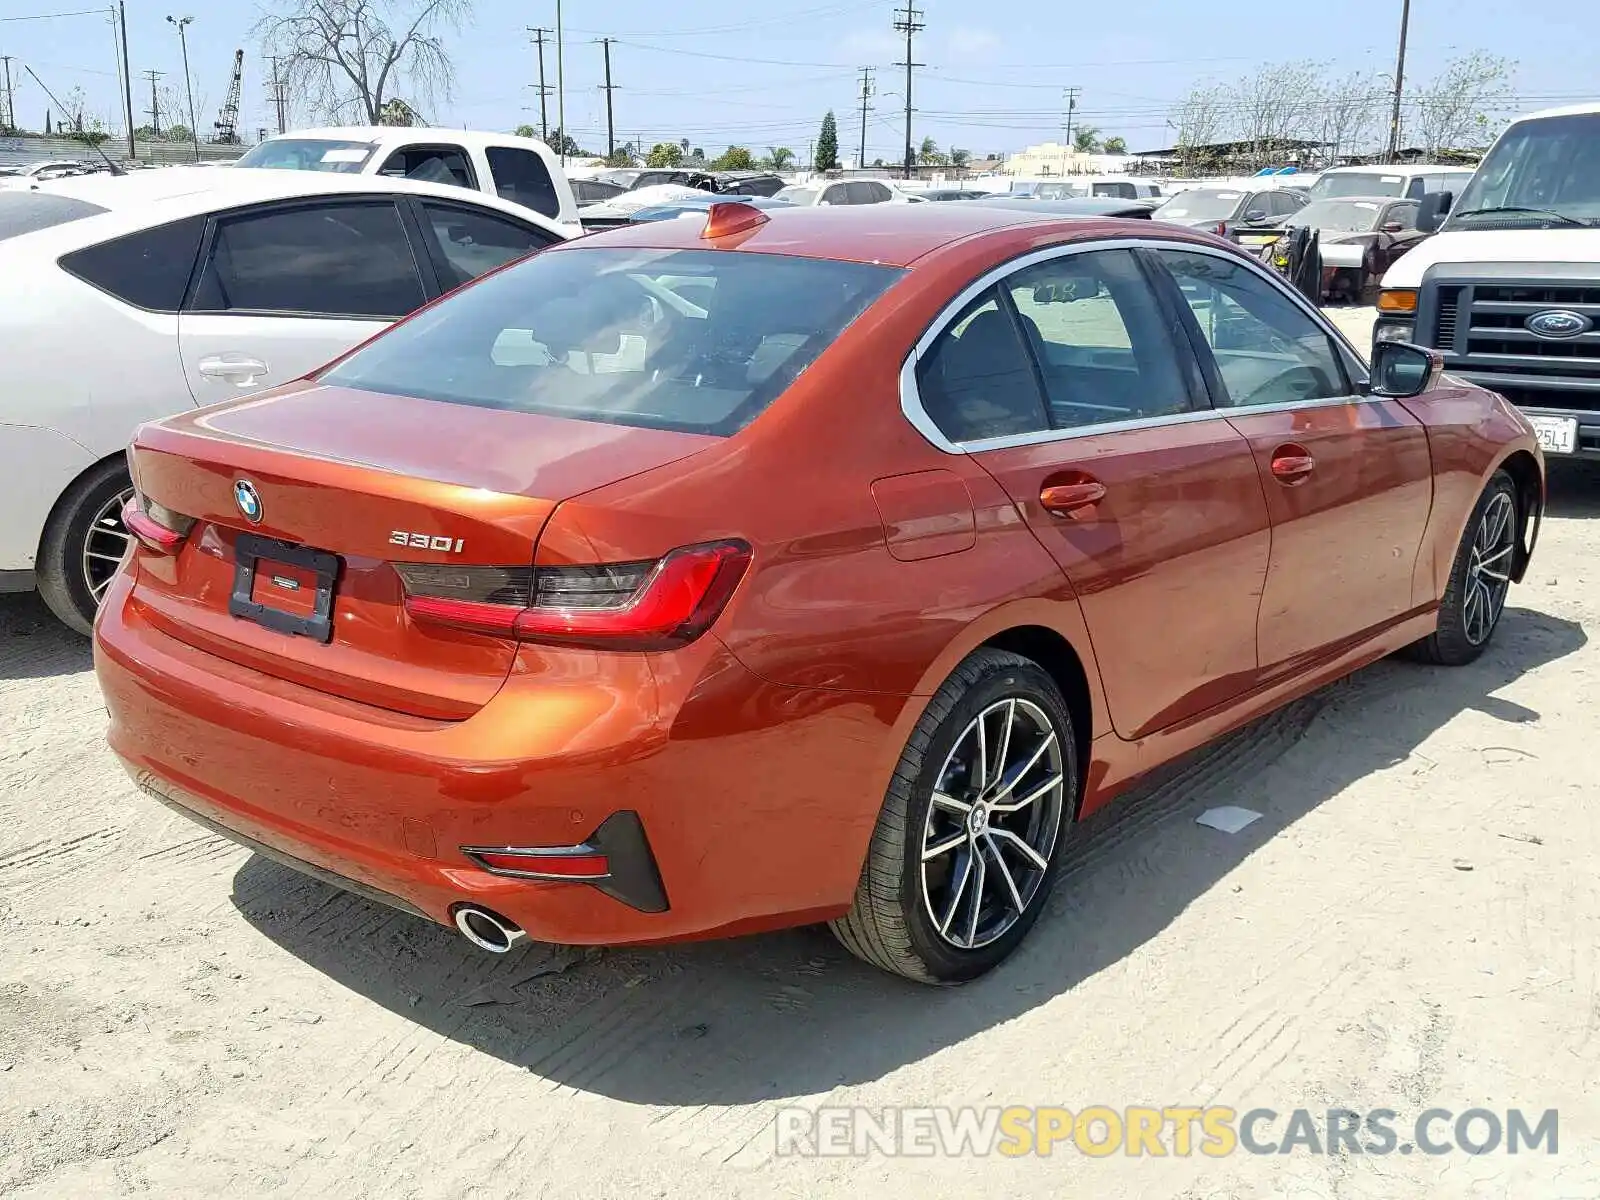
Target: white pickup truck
x: 1509, y: 287
x: 522, y: 170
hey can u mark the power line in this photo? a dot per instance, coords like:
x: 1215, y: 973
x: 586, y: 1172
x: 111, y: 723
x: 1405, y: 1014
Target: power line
x: 87, y: 12
x: 910, y: 24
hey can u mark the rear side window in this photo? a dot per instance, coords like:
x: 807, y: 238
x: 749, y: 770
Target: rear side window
x: 521, y: 177
x: 693, y: 340
x: 29, y: 212
x: 977, y: 381
x: 149, y: 269
x: 332, y: 260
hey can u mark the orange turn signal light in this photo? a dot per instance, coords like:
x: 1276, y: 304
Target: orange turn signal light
x: 1398, y: 300
x: 731, y: 217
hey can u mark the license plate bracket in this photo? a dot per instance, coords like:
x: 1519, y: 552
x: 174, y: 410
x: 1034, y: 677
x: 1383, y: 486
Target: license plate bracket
x: 1557, y: 435
x: 250, y: 552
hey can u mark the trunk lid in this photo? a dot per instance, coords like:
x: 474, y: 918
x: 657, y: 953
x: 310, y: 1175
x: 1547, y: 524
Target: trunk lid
x: 366, y: 480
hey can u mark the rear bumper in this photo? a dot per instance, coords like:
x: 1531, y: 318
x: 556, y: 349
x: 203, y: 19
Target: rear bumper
x: 755, y: 801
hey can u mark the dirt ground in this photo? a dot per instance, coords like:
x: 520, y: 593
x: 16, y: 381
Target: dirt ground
x: 1411, y: 924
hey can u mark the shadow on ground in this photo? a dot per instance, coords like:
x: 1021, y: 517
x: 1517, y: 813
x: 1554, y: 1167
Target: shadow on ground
x: 34, y: 645
x: 790, y: 1014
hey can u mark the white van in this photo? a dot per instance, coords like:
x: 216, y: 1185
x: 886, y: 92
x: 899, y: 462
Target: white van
x: 524, y: 171
x: 1508, y: 289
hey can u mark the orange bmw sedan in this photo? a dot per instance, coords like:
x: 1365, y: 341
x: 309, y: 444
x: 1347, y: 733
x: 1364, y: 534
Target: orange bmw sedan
x: 725, y: 574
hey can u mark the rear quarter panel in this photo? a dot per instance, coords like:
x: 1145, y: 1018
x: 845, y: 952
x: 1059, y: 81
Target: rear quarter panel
x: 1471, y: 433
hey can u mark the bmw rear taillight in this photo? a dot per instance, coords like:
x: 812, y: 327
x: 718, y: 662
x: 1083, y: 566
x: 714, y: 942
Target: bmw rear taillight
x: 653, y: 605
x: 155, y: 525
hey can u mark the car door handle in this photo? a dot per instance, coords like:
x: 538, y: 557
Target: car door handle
x: 1069, y: 499
x: 1292, y: 464
x: 242, y: 372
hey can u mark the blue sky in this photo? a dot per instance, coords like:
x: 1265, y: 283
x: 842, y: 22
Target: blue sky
x: 762, y: 75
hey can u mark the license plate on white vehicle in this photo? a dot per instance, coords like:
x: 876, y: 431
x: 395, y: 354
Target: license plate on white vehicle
x: 1557, y: 435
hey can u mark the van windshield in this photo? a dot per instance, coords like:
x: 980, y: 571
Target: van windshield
x: 698, y: 341
x: 1359, y: 183
x: 1549, y: 167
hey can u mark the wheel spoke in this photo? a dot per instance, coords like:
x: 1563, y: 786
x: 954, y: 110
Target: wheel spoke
x: 1043, y: 789
x: 982, y: 770
x: 1027, y: 851
x: 1005, y: 873
x: 977, y: 897
x: 115, y: 558
x: 950, y: 804
x: 1001, y: 754
x: 1498, y: 576
x: 929, y: 853
x: 1046, y: 743
x: 1496, y: 556
x: 956, y: 892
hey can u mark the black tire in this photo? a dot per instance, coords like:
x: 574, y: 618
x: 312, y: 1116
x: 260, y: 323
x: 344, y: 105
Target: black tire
x: 891, y: 924
x: 62, y: 582
x: 1464, y: 632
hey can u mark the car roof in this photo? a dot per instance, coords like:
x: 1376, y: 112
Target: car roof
x: 144, y: 198
x: 384, y: 135
x: 1586, y: 109
x: 888, y: 235
x: 1398, y: 169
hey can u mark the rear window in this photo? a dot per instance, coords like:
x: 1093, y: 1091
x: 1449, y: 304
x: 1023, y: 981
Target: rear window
x: 310, y: 154
x: 1358, y: 183
x: 691, y: 340
x: 29, y: 212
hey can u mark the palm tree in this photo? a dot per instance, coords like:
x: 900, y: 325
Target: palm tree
x: 1086, y: 140
x: 1115, y: 145
x: 959, y: 158
x: 779, y: 156
x: 929, y: 155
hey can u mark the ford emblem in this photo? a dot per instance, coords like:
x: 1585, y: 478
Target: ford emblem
x: 248, y: 500
x: 1559, y: 323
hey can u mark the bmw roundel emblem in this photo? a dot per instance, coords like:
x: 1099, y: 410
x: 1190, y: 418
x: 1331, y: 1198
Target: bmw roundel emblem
x: 1559, y: 323
x: 248, y: 500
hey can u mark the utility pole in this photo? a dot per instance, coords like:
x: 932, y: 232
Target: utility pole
x: 866, y: 94
x: 908, y: 20
x: 155, y: 101
x: 544, y: 115
x: 188, y: 80
x: 1072, y: 110
x: 11, y: 103
x: 607, y: 88
x: 1399, y: 81
x: 561, y: 86
x: 127, y: 76
x: 280, y: 96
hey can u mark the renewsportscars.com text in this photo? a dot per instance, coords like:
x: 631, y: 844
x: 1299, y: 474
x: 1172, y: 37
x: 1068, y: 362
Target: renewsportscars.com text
x: 1100, y: 1131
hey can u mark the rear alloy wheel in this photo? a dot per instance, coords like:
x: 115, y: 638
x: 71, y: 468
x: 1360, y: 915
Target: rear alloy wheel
x: 84, y: 543
x: 1480, y: 578
x: 966, y: 845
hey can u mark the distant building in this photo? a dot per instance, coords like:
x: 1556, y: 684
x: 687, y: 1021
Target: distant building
x: 1054, y: 158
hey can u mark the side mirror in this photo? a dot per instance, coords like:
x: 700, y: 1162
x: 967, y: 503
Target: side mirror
x: 1256, y: 215
x: 1401, y: 370
x: 1393, y: 226
x: 1431, y: 212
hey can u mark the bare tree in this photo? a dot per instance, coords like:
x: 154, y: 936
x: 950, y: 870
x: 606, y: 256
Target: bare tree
x: 1348, y: 115
x: 1200, y: 118
x: 1462, y: 107
x: 348, y: 57
x: 1276, y: 105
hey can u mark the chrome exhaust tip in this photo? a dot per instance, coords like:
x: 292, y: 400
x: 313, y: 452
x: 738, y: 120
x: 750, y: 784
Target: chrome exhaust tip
x: 487, y: 930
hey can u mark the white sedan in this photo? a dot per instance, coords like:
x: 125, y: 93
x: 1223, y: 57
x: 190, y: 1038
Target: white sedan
x: 843, y: 191
x: 124, y: 299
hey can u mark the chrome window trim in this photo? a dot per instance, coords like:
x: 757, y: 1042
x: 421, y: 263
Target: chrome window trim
x: 911, y: 401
